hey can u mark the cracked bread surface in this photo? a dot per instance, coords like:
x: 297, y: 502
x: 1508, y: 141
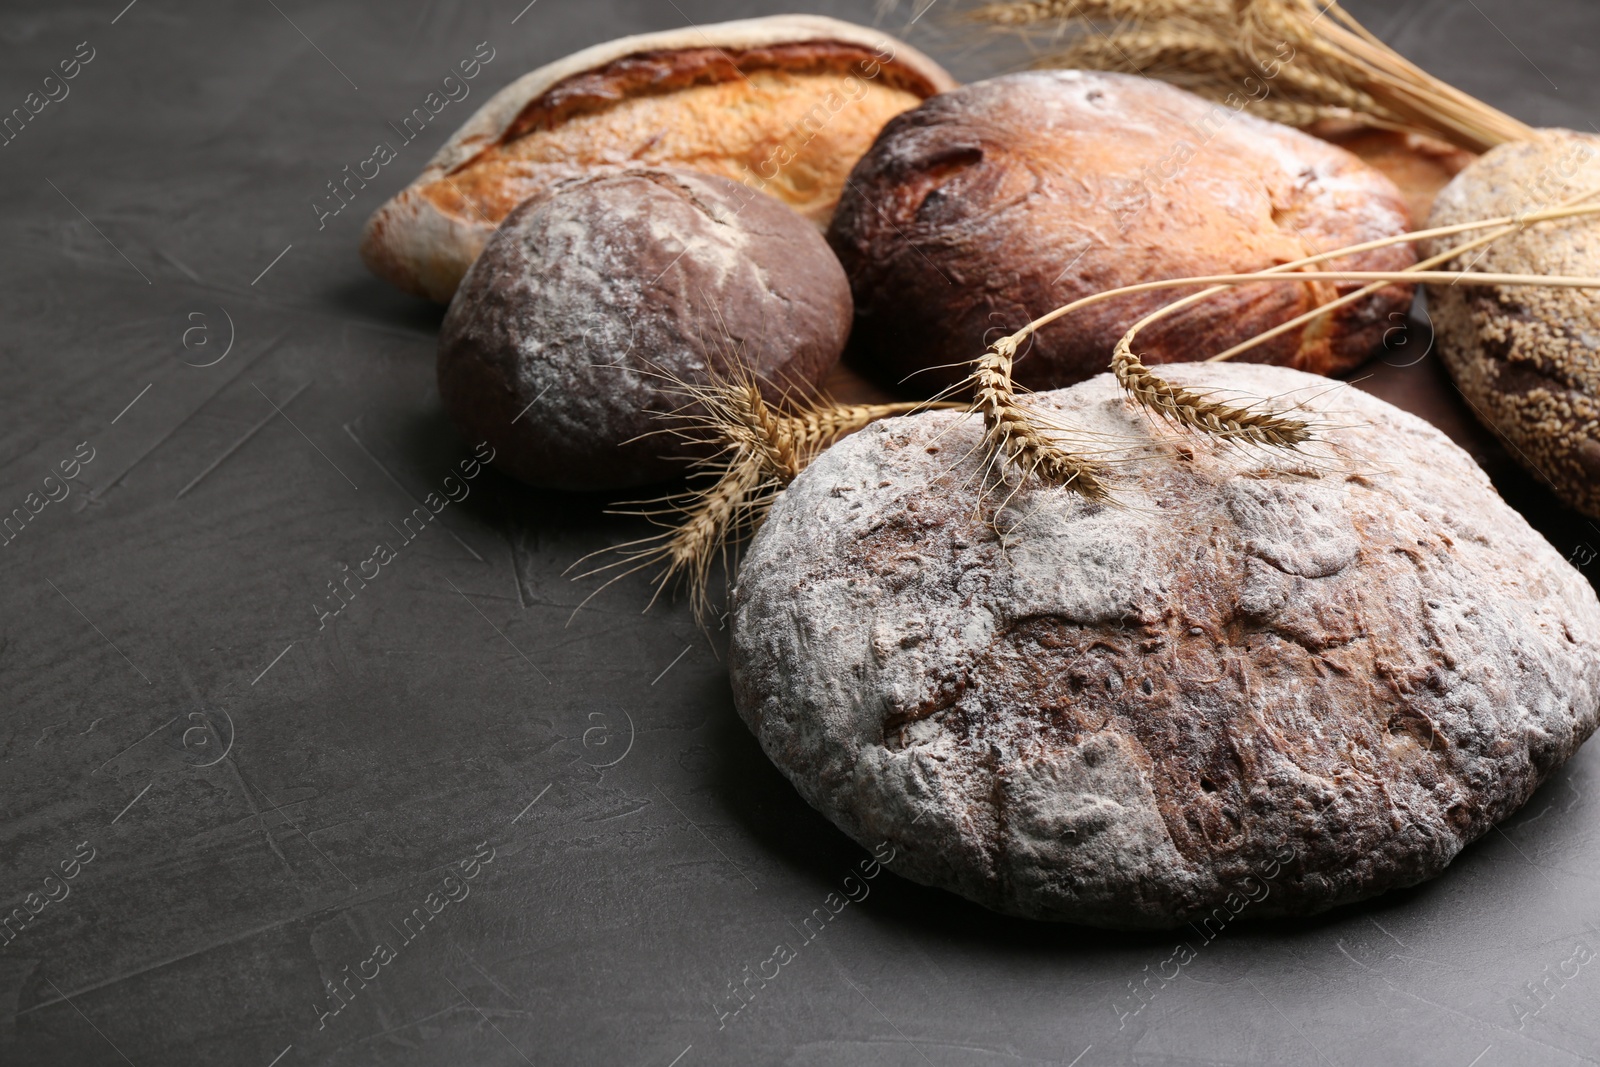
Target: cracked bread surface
x: 1129, y: 715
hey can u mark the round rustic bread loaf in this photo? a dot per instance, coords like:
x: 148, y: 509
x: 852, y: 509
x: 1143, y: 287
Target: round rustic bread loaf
x: 557, y: 347
x: 993, y: 204
x: 785, y: 104
x: 1252, y: 684
x: 1528, y: 359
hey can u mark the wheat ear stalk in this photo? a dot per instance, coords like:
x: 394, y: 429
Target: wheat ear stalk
x: 1507, y: 225
x: 1202, y: 414
x: 1271, y: 428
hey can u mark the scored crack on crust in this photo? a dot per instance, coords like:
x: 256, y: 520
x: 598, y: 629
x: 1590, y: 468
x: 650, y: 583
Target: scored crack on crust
x: 1528, y: 359
x: 424, y: 238
x: 1123, y: 714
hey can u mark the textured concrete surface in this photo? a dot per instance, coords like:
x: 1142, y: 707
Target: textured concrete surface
x: 565, y: 843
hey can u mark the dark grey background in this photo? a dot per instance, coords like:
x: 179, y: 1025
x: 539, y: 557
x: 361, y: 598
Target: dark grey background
x: 138, y: 629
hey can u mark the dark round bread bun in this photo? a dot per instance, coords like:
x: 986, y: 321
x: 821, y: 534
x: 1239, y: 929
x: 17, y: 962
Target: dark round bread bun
x: 559, y: 347
x: 1528, y: 358
x: 992, y: 204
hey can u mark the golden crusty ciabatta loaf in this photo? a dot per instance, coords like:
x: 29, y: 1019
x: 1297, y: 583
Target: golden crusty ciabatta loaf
x: 786, y: 104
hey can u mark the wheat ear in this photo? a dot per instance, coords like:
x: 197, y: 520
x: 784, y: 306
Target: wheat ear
x: 1012, y: 438
x: 1179, y: 405
x: 1270, y: 428
x: 762, y: 449
x: 1311, y: 53
x: 1034, y: 12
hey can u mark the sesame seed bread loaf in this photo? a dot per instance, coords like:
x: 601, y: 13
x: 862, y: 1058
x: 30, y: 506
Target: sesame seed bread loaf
x: 1528, y: 359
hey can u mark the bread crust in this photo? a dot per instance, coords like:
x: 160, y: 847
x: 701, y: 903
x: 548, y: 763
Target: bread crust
x: 424, y: 238
x: 1526, y: 358
x: 1253, y: 685
x: 993, y: 204
x: 1418, y: 165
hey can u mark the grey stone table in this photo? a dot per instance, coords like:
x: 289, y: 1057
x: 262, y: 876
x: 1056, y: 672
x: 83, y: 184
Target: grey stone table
x: 240, y: 786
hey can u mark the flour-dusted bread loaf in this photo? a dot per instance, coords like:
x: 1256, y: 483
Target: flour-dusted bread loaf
x: 1528, y: 359
x: 785, y: 104
x: 1260, y: 685
x: 558, y: 347
x: 991, y: 205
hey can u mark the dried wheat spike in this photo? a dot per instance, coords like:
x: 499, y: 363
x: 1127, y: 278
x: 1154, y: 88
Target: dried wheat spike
x: 816, y: 428
x: 1198, y: 54
x: 785, y: 443
x: 1204, y: 61
x: 1032, y: 12
x: 749, y: 423
x: 1195, y: 411
x: 706, y: 531
x: 762, y: 451
x: 1311, y: 52
x: 1012, y: 437
x: 1291, y: 113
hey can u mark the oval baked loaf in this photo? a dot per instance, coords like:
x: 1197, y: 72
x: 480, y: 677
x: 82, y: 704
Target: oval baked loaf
x: 1528, y: 359
x: 1252, y: 684
x: 558, y: 345
x: 786, y: 104
x: 995, y: 203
